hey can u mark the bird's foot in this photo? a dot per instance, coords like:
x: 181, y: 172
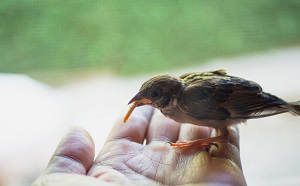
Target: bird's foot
x: 199, y: 143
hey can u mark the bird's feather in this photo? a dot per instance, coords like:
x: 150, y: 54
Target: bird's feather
x: 220, y: 72
x: 217, y: 96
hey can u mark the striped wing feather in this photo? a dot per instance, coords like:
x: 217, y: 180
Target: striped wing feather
x: 221, y: 97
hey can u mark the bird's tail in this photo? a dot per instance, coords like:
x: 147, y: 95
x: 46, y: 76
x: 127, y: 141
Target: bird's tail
x: 295, y: 108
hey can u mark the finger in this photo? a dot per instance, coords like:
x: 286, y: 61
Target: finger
x: 189, y: 132
x: 229, y: 150
x: 74, y: 154
x: 234, y: 136
x: 162, y: 128
x: 136, y: 126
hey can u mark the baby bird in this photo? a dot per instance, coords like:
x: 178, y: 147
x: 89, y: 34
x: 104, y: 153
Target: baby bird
x: 213, y: 99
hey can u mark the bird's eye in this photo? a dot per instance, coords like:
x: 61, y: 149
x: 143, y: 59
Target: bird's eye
x: 154, y: 94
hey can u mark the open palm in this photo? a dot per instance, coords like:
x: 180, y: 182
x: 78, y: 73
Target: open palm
x: 125, y: 160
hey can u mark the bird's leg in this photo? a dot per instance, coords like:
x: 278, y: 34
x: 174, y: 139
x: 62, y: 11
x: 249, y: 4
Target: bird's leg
x: 203, y: 143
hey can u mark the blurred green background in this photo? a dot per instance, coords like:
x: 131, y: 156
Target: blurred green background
x: 130, y: 37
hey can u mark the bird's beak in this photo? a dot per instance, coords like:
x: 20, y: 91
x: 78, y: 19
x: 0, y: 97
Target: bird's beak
x: 137, y: 101
x: 140, y: 101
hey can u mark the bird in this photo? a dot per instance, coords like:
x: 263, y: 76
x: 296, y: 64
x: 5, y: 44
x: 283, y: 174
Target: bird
x: 212, y: 99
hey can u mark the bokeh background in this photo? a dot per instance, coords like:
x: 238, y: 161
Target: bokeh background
x: 67, y: 63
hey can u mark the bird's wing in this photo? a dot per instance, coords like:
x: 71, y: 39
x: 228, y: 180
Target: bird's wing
x: 227, y: 97
x: 219, y: 72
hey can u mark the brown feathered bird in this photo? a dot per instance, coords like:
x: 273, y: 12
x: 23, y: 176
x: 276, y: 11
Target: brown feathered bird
x: 213, y: 99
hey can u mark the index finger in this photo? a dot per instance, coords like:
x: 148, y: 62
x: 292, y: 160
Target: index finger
x: 135, y: 128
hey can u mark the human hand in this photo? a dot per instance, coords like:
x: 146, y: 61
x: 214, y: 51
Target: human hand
x: 124, y: 160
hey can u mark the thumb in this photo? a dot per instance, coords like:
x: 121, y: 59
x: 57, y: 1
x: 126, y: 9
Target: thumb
x: 74, y: 154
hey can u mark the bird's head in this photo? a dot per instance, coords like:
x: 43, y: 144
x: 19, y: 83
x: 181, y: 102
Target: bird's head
x: 158, y: 92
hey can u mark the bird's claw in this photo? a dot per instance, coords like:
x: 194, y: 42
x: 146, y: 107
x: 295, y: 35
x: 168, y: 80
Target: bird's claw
x: 200, y: 143
x: 191, y: 145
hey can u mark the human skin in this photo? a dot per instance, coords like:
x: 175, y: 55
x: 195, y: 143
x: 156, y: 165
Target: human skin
x: 125, y: 160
